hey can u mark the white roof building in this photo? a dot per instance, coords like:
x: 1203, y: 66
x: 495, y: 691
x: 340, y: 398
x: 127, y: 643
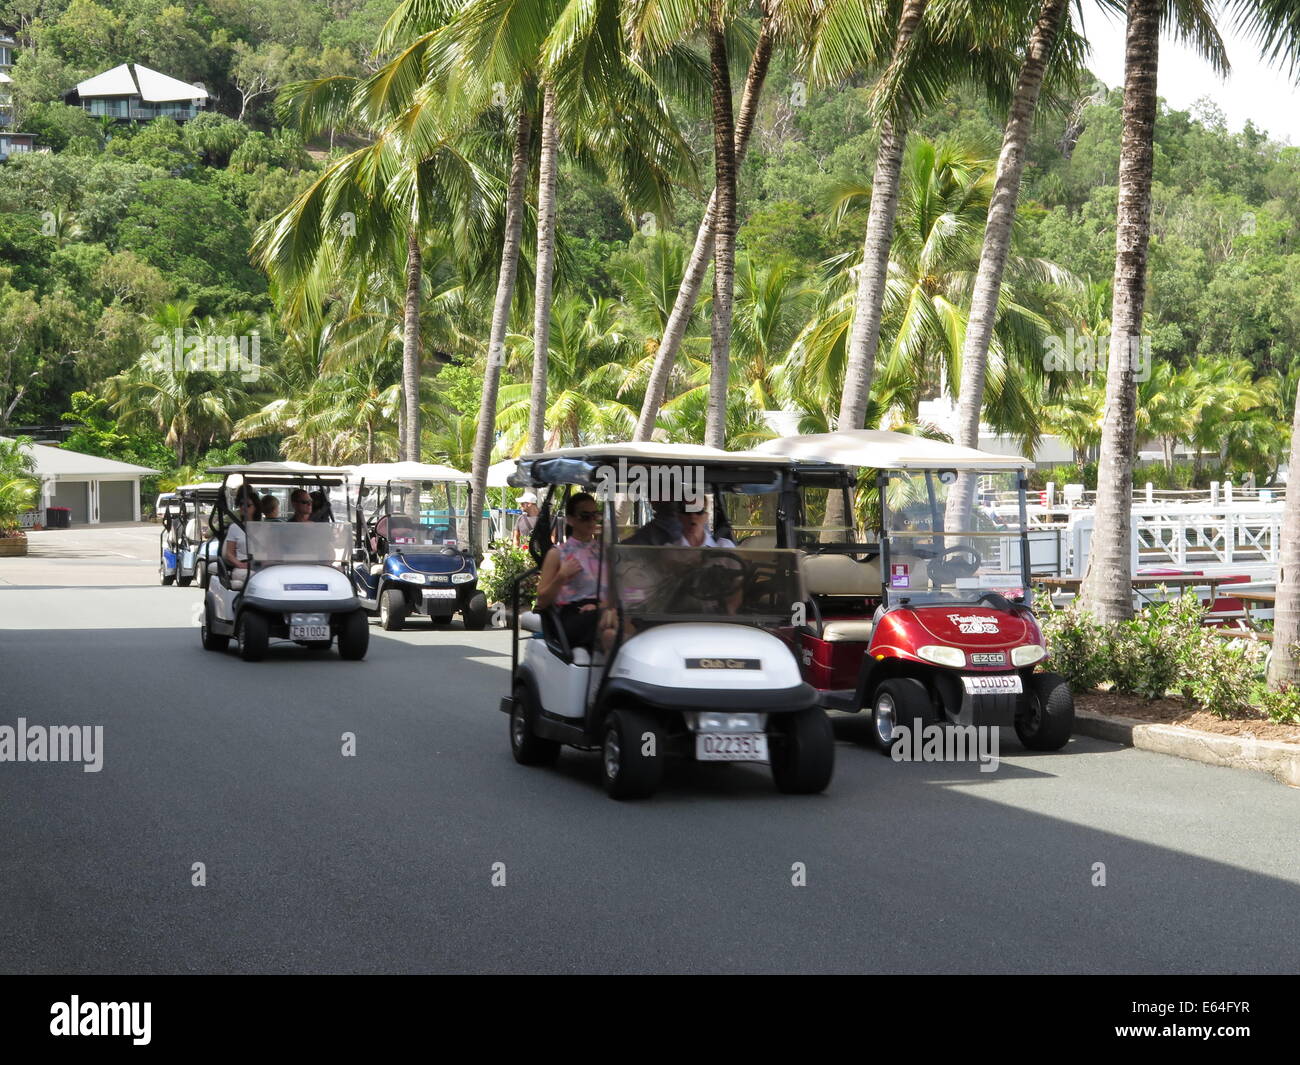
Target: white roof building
x: 133, y: 91
x: 93, y: 489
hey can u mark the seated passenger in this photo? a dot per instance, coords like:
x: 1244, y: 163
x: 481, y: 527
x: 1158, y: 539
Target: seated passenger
x: 664, y: 528
x: 695, y: 530
x: 235, y: 551
x: 270, y: 508
x: 319, y: 506
x: 571, y: 572
x: 300, y: 500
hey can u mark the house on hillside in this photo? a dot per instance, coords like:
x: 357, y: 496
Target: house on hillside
x: 6, y: 93
x: 132, y: 92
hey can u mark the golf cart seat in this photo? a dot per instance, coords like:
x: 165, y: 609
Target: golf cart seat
x: 847, y: 630
x: 758, y: 541
x: 376, y: 569
x: 841, y: 575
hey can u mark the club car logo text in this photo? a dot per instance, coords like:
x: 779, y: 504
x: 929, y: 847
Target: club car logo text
x: 973, y: 624
x: 723, y: 663
x: 654, y: 483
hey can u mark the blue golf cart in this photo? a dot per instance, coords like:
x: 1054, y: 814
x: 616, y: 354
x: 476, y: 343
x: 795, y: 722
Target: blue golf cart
x: 412, y: 552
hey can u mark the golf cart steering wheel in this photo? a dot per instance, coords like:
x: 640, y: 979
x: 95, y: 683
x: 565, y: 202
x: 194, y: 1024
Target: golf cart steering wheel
x: 714, y: 583
x: 950, y: 565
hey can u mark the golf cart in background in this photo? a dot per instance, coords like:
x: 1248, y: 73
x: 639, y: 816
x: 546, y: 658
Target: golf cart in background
x: 412, y: 553
x: 185, y: 539
x: 931, y: 619
x: 692, y: 657
x: 297, y: 586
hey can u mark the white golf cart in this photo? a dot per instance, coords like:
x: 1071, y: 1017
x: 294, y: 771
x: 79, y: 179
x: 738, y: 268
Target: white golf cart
x: 691, y: 657
x: 296, y: 585
x: 187, y: 535
x: 932, y: 618
x: 412, y: 553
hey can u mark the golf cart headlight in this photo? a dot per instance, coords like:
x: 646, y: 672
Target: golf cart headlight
x: 1028, y: 654
x: 411, y: 578
x: 942, y: 656
x: 713, y: 721
x: 461, y: 578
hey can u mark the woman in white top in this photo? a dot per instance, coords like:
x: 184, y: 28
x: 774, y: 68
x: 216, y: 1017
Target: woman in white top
x: 236, y: 550
x: 695, y: 531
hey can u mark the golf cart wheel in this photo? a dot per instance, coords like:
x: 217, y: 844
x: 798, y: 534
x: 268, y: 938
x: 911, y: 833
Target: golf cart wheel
x: 184, y: 582
x: 254, y: 635
x: 392, y: 609
x: 164, y: 577
x: 1048, y: 717
x: 898, y: 702
x: 803, y: 751
x: 354, y: 636
x: 632, y: 755
x: 528, y: 747
x: 476, y: 612
x: 211, y: 640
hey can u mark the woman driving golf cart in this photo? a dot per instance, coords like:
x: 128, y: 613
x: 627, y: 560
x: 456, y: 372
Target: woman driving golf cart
x: 689, y: 656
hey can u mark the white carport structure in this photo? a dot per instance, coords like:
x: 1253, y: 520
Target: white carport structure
x: 93, y: 489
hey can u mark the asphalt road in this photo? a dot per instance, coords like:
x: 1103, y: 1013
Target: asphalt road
x: 385, y: 861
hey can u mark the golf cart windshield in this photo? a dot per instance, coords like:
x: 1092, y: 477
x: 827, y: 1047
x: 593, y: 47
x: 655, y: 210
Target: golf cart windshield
x: 424, y: 514
x: 270, y: 542
x: 934, y: 554
x: 653, y: 585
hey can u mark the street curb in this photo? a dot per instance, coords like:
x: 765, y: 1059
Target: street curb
x: 1279, y: 760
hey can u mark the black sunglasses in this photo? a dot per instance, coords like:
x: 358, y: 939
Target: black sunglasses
x: 587, y: 515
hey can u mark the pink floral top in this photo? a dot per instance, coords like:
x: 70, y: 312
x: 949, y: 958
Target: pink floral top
x: 586, y: 584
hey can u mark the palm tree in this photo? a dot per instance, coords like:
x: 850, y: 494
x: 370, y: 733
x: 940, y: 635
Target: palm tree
x: 1107, y: 583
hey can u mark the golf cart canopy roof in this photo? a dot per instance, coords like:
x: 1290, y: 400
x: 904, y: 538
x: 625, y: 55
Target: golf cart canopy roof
x: 578, y: 465
x: 380, y: 472
x: 283, y: 472
x: 208, y: 489
x: 880, y: 449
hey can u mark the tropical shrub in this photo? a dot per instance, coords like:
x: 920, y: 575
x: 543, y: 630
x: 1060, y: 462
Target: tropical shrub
x: 501, y: 565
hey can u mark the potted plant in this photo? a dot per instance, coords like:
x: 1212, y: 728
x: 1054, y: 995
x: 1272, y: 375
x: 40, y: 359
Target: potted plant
x: 18, y: 491
x: 502, y: 564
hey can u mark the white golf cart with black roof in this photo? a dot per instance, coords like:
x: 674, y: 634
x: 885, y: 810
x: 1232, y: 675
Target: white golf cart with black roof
x: 412, y: 553
x: 296, y: 584
x: 931, y: 619
x: 691, y: 657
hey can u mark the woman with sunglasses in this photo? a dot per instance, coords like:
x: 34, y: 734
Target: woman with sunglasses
x: 570, y: 577
x: 236, y: 549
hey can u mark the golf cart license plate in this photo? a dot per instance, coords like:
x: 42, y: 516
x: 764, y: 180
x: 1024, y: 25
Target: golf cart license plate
x: 1007, y: 684
x: 731, y: 747
x: 309, y: 632
x: 440, y: 593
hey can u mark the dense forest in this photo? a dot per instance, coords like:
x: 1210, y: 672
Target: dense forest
x: 122, y: 234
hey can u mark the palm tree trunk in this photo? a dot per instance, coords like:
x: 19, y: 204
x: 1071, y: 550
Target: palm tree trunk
x: 865, y: 336
x: 724, y: 239
x: 1107, y: 586
x: 1284, y: 669
x: 545, y: 271
x: 693, y: 279
x: 487, y: 414
x: 411, y: 350
x: 997, y: 231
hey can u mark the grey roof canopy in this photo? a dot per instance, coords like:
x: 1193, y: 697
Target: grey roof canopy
x: 587, y: 465
x: 59, y: 462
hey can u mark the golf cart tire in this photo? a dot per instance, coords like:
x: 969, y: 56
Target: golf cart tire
x: 803, y: 758
x: 475, y: 613
x: 528, y: 747
x: 166, y: 578
x: 184, y: 582
x: 254, y: 636
x: 211, y: 641
x: 909, y: 700
x: 354, y: 636
x: 626, y: 771
x: 392, y: 609
x: 1048, y: 719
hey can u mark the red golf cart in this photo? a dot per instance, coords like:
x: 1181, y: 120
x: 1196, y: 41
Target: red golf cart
x: 931, y: 618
